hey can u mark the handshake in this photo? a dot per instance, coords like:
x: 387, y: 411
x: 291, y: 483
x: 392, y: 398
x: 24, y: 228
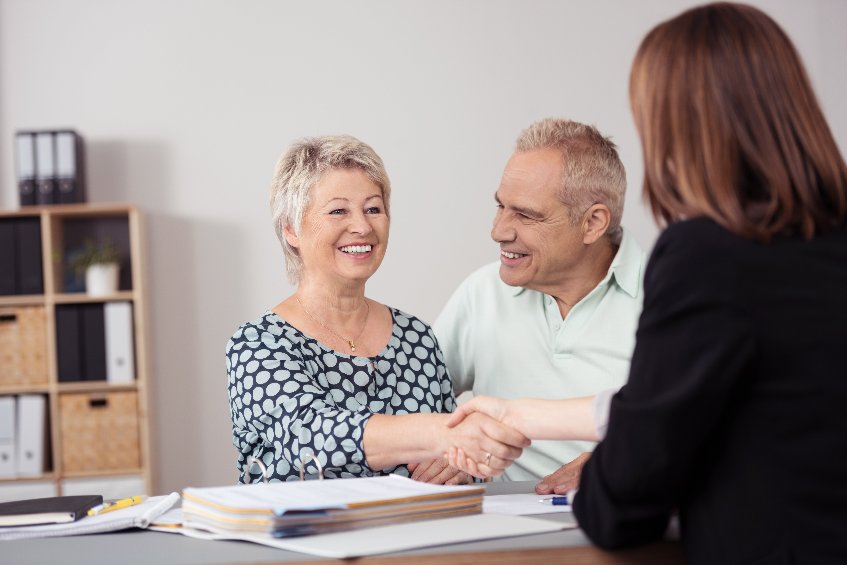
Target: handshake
x: 485, y: 435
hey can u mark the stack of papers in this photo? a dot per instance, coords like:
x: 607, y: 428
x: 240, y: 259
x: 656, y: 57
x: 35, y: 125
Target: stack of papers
x: 317, y: 507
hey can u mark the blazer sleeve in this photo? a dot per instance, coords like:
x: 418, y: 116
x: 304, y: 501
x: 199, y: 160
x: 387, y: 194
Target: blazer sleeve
x: 694, y: 347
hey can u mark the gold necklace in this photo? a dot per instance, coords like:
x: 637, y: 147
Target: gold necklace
x: 350, y: 342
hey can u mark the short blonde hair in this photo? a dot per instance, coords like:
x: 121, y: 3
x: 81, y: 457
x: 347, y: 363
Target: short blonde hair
x: 300, y: 168
x: 593, y: 172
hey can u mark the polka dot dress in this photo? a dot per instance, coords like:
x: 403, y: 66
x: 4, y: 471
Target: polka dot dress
x: 290, y: 396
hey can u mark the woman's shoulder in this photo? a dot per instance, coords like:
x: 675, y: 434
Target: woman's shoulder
x: 697, y: 243
x: 697, y: 254
x: 267, y: 328
x: 696, y: 231
x: 408, y: 321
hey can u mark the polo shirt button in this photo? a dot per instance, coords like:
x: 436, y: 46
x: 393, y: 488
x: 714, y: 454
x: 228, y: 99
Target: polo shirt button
x: 557, y: 327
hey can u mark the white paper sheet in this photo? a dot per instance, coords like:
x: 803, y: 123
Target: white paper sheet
x: 520, y: 505
x: 399, y: 537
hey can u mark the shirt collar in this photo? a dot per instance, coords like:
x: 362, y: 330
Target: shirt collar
x: 625, y: 269
x: 627, y: 264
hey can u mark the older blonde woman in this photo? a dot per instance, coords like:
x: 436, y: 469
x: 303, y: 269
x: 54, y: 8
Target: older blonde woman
x: 328, y: 373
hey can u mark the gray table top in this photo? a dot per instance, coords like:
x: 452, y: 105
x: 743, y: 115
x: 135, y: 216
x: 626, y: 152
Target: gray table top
x: 145, y: 547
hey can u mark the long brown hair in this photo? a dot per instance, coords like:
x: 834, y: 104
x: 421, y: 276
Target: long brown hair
x: 731, y: 129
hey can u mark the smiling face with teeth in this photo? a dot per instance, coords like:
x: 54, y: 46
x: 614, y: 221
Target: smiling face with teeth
x: 540, y: 247
x: 345, y: 229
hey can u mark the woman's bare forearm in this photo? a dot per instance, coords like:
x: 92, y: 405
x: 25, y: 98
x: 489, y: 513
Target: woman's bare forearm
x: 406, y: 438
x: 570, y: 418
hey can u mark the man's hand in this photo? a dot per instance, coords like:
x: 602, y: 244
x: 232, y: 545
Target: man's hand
x: 565, y: 478
x: 438, y: 472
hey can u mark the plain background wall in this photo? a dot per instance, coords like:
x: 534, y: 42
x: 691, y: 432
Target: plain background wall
x: 185, y: 106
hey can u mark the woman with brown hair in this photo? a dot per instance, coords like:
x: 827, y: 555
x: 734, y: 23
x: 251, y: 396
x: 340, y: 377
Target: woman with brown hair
x: 734, y: 411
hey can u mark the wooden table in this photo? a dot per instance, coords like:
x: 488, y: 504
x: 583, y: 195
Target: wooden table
x: 140, y: 547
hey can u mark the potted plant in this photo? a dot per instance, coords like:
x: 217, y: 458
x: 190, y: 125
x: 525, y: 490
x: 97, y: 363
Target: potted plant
x: 100, y: 261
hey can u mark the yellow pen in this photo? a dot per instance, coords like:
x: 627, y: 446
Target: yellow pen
x: 115, y: 505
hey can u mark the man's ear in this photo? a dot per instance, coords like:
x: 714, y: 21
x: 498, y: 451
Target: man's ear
x: 291, y: 237
x: 595, y: 223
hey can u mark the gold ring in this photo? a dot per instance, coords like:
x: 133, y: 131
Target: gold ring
x: 488, y: 459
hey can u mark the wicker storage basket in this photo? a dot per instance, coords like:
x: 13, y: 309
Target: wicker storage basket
x: 23, y: 345
x: 99, y: 431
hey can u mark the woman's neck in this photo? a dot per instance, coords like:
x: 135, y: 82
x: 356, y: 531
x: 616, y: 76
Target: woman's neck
x: 331, y: 300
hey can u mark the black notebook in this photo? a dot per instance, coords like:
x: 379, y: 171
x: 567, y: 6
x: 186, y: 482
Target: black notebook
x: 53, y: 510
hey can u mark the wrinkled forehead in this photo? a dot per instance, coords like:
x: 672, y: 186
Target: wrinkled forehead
x: 533, y: 175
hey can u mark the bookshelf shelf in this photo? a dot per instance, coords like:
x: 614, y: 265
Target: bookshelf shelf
x: 30, y: 479
x: 82, y: 298
x: 109, y: 473
x: 95, y: 386
x: 6, y: 390
x: 82, y: 416
x: 22, y: 300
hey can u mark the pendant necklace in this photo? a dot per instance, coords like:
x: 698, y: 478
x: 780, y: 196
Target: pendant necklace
x: 350, y: 342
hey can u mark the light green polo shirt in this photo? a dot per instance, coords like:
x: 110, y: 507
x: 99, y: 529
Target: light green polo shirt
x: 512, y: 342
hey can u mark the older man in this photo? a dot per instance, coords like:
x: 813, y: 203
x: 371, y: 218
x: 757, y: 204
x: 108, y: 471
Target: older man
x: 556, y: 316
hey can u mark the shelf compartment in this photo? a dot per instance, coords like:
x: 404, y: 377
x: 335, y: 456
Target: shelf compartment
x: 99, y: 432
x: 23, y: 346
x: 70, y: 234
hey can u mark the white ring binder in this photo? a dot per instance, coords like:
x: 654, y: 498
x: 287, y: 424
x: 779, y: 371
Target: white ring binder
x: 311, y: 457
x: 250, y: 461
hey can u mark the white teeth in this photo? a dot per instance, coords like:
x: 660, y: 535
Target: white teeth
x: 509, y: 255
x: 357, y: 248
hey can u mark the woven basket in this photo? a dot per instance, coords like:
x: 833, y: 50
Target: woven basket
x: 23, y: 345
x: 99, y: 431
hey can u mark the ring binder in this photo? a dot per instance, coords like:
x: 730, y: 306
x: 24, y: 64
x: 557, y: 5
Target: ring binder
x: 249, y: 464
x: 311, y: 457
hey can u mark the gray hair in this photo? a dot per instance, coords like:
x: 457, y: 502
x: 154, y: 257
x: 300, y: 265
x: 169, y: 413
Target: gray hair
x: 594, y: 173
x: 298, y: 171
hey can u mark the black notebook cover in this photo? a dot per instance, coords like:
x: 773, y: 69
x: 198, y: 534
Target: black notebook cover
x: 53, y: 510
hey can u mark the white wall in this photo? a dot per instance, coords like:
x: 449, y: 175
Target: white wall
x: 186, y: 104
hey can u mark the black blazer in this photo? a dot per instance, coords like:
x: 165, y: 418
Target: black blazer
x: 735, y: 412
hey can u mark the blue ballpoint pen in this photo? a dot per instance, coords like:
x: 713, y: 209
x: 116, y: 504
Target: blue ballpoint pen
x: 555, y: 500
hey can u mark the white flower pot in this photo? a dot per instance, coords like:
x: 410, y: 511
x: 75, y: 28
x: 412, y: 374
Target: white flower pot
x: 102, y: 279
